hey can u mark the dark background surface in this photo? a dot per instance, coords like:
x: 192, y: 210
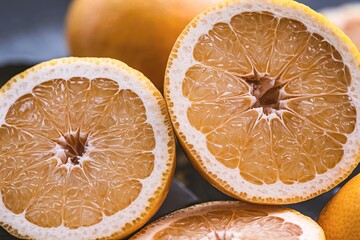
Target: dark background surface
x: 32, y: 32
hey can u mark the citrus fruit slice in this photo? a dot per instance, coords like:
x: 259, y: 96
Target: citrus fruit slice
x: 233, y: 220
x: 86, y: 150
x: 263, y: 96
x: 340, y: 218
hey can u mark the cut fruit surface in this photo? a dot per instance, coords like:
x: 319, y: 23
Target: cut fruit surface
x: 263, y: 96
x: 86, y: 150
x: 233, y: 220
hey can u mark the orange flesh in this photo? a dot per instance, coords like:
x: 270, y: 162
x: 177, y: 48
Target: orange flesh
x: 259, y: 60
x: 231, y: 223
x: 73, y: 151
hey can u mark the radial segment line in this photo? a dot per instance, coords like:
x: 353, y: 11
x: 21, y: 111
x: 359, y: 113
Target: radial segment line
x: 233, y: 74
x: 106, y: 111
x: 37, y: 191
x: 244, y: 50
x: 271, y: 147
x: 273, y: 43
x: 314, y: 124
x: 295, y: 138
x: 326, y: 131
x: 288, y: 97
x: 282, y: 71
x: 85, y: 108
x: 231, y: 118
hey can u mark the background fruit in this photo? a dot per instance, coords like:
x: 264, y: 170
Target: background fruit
x: 347, y: 17
x: 139, y: 32
x: 340, y: 218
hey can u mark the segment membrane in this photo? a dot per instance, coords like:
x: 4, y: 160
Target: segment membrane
x: 210, y: 51
x: 206, y: 84
x: 28, y: 115
x: 114, y: 188
x: 46, y: 208
x: 52, y: 96
x: 258, y: 164
x: 194, y: 227
x: 20, y: 150
x: 77, y: 94
x: 334, y: 113
x: 237, y: 131
x: 100, y: 96
x: 207, y: 116
x: 256, y: 33
x: 19, y: 193
x: 81, y: 207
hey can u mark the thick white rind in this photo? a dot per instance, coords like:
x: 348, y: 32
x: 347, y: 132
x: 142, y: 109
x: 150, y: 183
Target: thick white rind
x: 182, y: 59
x: 310, y: 229
x: 127, y: 79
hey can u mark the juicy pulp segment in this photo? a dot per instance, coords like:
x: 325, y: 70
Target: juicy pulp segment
x: 44, y: 130
x: 258, y: 60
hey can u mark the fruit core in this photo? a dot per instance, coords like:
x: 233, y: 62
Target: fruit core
x: 74, y: 146
x: 266, y: 91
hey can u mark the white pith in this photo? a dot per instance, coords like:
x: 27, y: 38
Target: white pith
x: 310, y: 230
x: 66, y: 69
x: 183, y: 59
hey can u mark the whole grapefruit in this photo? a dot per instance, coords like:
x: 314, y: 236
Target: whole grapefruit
x: 140, y: 33
x: 340, y: 218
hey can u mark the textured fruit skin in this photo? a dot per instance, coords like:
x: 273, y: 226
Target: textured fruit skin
x: 140, y: 33
x: 340, y: 218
